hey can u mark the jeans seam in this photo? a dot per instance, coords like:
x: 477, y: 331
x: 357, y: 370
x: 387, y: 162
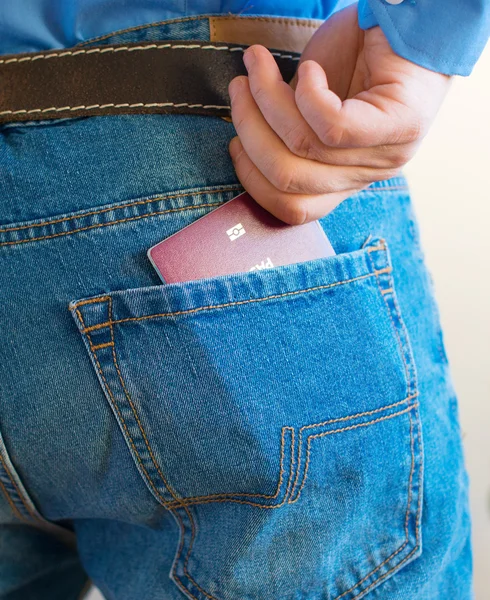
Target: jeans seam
x: 219, y: 306
x: 20, y: 495
x: 115, y: 222
x: 49, y: 223
x: 122, y: 206
x: 348, y: 428
x: 106, y: 36
x: 384, y: 293
x: 12, y: 505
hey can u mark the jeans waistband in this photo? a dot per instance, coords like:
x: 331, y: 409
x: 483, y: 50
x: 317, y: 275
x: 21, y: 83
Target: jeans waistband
x: 145, y: 76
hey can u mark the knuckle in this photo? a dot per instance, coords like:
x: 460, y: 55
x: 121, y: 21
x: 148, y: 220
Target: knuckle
x: 259, y: 92
x: 247, y: 174
x: 238, y: 121
x: 414, y: 129
x: 298, y: 141
x: 332, y: 134
x: 397, y: 159
x: 302, y: 92
x: 294, y: 212
x: 281, y: 175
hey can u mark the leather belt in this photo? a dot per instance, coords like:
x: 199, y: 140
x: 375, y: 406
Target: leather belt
x: 171, y: 76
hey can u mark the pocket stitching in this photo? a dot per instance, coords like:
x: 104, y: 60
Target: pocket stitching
x: 173, y: 512
x: 199, y: 499
x: 180, y: 502
x: 22, y: 517
x: 350, y: 428
x: 114, y: 403
x: 115, y: 222
x: 411, y: 379
x: 210, y: 306
x: 417, y: 536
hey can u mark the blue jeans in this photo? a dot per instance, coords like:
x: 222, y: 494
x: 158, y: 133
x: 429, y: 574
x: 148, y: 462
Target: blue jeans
x: 283, y: 434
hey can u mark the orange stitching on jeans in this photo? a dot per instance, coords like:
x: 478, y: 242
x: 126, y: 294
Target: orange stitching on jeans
x: 193, y: 530
x: 121, y: 207
x: 114, y: 404
x: 417, y: 529
x: 412, y: 469
x: 210, y: 498
x: 193, y: 525
x: 100, y: 346
x: 149, y: 201
x: 14, y: 508
x: 196, y: 499
x: 193, y: 499
x: 407, y: 410
x: 349, y: 428
x: 363, y: 414
x: 150, y: 481
x: 177, y: 559
x: 98, y: 326
x: 135, y: 413
x: 96, y: 225
x: 177, y: 501
x: 407, y: 513
x: 215, y: 306
x: 405, y: 333
x: 395, y: 329
x: 166, y: 484
x: 91, y: 301
x: 380, y: 579
x: 224, y: 305
x: 19, y: 493
x: 410, y: 480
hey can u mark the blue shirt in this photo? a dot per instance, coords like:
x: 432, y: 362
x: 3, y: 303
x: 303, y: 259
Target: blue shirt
x: 443, y: 35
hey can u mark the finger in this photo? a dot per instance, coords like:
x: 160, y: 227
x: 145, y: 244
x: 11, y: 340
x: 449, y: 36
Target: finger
x: 276, y: 101
x: 287, y: 172
x: 294, y: 209
x: 372, y: 118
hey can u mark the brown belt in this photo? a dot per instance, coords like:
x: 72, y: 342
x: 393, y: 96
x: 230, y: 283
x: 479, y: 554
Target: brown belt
x: 171, y: 76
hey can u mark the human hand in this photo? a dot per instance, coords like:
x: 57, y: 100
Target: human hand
x: 354, y: 113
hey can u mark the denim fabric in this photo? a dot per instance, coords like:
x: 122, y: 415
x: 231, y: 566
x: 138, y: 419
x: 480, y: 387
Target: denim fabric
x: 36, y: 25
x: 283, y: 434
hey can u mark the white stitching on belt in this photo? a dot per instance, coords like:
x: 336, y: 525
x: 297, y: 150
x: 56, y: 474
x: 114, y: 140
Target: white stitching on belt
x: 93, y: 106
x: 134, y: 49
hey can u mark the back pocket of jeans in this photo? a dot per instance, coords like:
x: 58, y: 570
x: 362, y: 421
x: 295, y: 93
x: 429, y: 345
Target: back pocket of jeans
x: 275, y: 413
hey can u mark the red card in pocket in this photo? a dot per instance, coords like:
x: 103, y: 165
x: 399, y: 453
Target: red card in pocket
x: 238, y: 236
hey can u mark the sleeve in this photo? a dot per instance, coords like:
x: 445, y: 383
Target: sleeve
x: 447, y: 36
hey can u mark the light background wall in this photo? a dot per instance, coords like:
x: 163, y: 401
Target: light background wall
x: 450, y: 183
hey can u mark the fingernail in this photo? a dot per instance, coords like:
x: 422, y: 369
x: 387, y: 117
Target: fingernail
x: 249, y: 58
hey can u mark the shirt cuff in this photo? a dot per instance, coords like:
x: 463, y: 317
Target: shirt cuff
x: 446, y: 36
